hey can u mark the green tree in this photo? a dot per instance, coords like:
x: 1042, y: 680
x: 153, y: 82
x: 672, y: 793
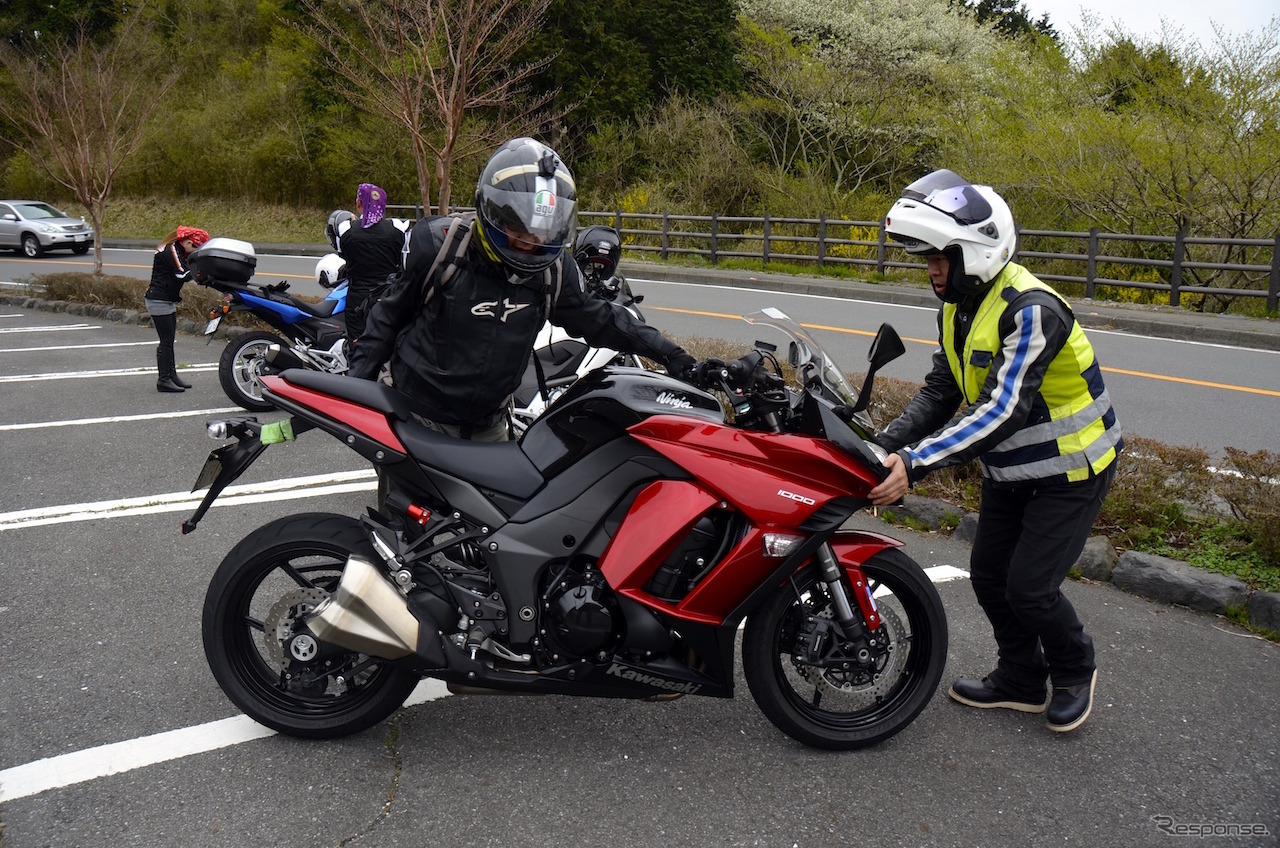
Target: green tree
x: 852, y: 91
x: 1009, y: 18
x: 1157, y: 138
x: 81, y: 107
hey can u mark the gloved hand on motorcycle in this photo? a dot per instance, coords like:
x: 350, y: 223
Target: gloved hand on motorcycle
x: 681, y: 365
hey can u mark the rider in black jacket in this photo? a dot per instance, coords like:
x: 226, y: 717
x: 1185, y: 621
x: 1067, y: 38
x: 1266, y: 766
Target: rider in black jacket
x: 371, y: 247
x: 459, y: 334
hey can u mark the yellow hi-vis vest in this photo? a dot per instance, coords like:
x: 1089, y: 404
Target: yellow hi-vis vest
x: 1082, y: 434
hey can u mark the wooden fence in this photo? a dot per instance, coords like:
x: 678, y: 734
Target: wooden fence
x: 1122, y: 266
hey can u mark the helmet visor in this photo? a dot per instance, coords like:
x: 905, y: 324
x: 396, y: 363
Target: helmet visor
x: 530, y: 224
x: 951, y: 194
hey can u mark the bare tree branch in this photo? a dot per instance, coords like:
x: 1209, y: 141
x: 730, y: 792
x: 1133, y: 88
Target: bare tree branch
x: 82, y: 108
x: 429, y: 66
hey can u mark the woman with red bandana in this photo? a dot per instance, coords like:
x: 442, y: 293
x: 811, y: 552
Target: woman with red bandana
x: 168, y: 272
x: 372, y: 252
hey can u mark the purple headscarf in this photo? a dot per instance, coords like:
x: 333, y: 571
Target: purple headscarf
x: 373, y: 202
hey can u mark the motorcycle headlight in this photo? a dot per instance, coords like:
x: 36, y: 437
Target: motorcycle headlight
x: 218, y: 430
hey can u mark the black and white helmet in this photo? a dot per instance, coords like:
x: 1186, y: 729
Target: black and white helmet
x: 339, y: 223
x: 526, y: 207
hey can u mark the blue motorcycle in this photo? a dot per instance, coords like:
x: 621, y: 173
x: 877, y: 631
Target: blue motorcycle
x: 309, y: 335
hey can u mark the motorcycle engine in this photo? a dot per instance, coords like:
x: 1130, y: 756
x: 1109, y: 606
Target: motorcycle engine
x: 580, y: 617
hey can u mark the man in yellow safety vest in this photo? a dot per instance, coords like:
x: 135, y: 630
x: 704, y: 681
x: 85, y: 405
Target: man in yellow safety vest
x: 1014, y: 384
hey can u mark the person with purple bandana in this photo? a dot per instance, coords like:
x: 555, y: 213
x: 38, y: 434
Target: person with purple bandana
x: 372, y: 252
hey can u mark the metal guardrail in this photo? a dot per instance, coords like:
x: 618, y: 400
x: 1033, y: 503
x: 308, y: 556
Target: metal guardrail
x: 1177, y: 265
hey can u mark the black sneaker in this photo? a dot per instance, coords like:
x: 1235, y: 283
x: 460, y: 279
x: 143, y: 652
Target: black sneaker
x: 1071, y: 705
x: 986, y: 695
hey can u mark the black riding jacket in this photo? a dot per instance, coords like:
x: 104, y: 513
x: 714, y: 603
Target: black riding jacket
x: 168, y: 272
x: 460, y: 355
x: 372, y: 255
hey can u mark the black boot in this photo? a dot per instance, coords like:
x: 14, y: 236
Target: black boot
x: 164, y: 365
x: 173, y: 375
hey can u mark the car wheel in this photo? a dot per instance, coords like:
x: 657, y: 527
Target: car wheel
x: 80, y: 249
x: 31, y: 246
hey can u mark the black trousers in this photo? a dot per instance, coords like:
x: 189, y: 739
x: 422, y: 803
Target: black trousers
x: 167, y: 329
x: 1027, y: 541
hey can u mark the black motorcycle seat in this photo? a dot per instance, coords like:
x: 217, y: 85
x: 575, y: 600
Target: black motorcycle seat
x: 323, y: 309
x: 495, y: 466
x: 499, y: 466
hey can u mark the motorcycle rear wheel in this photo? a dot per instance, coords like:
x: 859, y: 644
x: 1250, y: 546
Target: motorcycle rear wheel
x: 264, y: 584
x: 839, y: 709
x: 241, y: 365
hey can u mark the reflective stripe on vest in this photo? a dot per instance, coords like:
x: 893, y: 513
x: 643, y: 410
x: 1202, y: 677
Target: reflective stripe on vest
x: 1078, y: 437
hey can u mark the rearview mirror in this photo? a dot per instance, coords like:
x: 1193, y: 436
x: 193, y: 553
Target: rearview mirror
x: 886, y: 347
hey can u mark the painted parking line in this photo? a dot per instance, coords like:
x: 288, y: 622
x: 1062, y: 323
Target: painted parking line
x: 118, y: 757
x: 117, y: 419
x: 152, y: 343
x: 55, y: 328
x: 93, y: 375
x: 290, y: 488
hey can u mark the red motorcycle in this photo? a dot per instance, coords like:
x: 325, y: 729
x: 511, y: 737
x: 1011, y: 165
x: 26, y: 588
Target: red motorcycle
x: 612, y: 552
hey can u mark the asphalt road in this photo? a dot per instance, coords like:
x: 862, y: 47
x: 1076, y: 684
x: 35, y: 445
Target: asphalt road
x: 1184, y: 390
x: 113, y: 732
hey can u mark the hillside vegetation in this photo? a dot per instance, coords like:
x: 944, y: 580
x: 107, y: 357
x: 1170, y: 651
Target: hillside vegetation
x: 794, y: 108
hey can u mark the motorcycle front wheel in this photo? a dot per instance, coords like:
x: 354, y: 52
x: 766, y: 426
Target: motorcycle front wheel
x: 240, y: 368
x: 848, y: 705
x: 267, y: 582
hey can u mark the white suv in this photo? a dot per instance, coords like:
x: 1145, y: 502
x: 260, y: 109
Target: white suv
x: 31, y: 227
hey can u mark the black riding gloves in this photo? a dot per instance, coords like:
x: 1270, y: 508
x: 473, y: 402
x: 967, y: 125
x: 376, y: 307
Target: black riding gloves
x: 680, y: 364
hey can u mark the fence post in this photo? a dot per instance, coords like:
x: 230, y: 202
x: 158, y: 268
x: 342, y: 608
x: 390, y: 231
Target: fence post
x: 822, y: 239
x: 1175, y: 277
x: 765, y: 249
x: 617, y: 222
x: 880, y: 249
x: 1273, y: 293
x: 715, y: 231
x: 666, y: 240
x: 1091, y: 266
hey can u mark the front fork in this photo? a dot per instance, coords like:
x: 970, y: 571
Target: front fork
x: 855, y: 625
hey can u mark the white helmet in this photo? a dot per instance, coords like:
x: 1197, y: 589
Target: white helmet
x: 943, y: 213
x: 331, y: 270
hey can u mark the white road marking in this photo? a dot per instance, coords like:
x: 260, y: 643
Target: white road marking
x: 51, y: 329
x: 152, y: 343
x: 116, y: 419
x: 91, y: 375
x: 272, y: 490
x: 119, y: 757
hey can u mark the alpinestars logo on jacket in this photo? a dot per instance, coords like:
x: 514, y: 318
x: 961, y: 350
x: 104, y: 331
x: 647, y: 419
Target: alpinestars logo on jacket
x: 488, y: 309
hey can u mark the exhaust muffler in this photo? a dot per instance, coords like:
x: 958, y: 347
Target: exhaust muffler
x: 366, y: 614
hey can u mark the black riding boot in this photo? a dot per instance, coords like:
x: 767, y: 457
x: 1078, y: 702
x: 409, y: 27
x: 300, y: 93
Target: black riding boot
x: 173, y: 375
x: 164, y: 365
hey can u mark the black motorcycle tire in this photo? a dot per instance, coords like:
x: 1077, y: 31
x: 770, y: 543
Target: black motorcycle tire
x: 239, y: 366
x: 765, y: 655
x: 301, y: 548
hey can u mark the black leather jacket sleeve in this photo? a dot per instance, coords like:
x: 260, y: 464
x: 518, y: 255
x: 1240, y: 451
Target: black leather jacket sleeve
x: 931, y: 407
x: 605, y: 324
